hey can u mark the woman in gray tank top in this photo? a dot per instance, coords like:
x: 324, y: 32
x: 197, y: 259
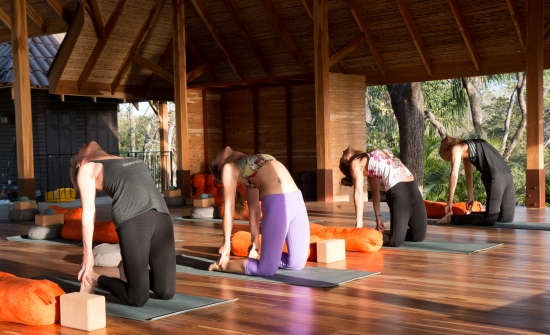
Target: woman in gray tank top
x: 143, y: 224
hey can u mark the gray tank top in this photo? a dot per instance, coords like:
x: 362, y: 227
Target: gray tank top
x: 129, y: 183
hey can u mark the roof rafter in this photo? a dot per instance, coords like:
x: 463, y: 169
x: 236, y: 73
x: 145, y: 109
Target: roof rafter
x: 259, y: 55
x: 100, y: 44
x: 214, y: 33
x: 5, y: 18
x: 35, y: 17
x: 56, y: 6
x: 347, y: 49
x: 515, y: 19
x: 155, y: 68
x: 141, y: 36
x: 287, y: 38
x: 415, y: 35
x: 361, y: 23
x: 95, y: 15
x: 465, y: 34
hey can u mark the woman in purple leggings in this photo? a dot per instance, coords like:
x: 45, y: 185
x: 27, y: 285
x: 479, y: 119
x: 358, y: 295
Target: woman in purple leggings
x: 284, y: 213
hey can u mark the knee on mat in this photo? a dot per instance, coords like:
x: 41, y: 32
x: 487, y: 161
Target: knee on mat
x: 165, y: 293
x: 266, y: 271
x: 138, y: 300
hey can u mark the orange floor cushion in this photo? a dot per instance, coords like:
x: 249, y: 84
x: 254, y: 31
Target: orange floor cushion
x: 71, y: 214
x: 241, y: 243
x: 436, y: 209
x: 104, y: 232
x: 27, y: 301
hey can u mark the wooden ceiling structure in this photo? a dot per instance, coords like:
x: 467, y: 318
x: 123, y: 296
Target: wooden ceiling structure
x: 156, y: 49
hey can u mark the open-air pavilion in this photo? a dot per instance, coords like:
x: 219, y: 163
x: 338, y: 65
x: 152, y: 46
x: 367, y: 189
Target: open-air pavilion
x: 288, y: 77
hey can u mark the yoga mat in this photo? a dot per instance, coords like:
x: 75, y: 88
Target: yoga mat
x: 154, y: 309
x: 504, y: 225
x: 309, y: 276
x: 185, y: 219
x: 24, y: 238
x: 447, y: 246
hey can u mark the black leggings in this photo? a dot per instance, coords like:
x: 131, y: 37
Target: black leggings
x: 501, y: 204
x: 407, y: 213
x: 145, y: 241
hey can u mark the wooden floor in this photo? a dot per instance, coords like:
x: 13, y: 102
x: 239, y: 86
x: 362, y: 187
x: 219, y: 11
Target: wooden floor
x: 505, y: 290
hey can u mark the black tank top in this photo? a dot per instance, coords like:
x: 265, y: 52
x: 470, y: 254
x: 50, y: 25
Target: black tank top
x: 486, y: 159
x: 129, y: 183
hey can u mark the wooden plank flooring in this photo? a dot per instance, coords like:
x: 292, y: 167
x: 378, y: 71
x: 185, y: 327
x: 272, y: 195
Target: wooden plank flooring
x: 505, y: 290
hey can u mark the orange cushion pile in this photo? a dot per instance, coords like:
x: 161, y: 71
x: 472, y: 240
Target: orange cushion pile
x: 28, y: 301
x: 104, y: 232
x: 436, y: 209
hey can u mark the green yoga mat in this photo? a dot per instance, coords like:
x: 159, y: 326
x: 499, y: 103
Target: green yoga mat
x: 504, y: 225
x: 24, y: 238
x: 309, y: 276
x: 447, y: 246
x: 153, y: 309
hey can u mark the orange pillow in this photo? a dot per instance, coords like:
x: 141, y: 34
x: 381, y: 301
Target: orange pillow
x: 357, y: 239
x: 104, y: 232
x: 436, y: 209
x: 28, y: 301
x: 71, y: 214
x: 241, y: 242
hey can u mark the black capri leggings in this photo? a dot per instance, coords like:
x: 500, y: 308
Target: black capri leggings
x: 408, y: 214
x: 146, y: 241
x: 501, y: 203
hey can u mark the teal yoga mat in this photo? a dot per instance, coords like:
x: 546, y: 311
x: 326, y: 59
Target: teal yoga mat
x: 447, y: 246
x: 24, y: 238
x: 504, y: 225
x: 153, y: 309
x: 309, y: 276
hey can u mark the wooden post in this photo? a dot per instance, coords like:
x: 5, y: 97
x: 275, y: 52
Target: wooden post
x: 180, y: 99
x: 534, y: 175
x: 322, y: 119
x: 205, y: 129
x: 22, y: 99
x: 165, y: 166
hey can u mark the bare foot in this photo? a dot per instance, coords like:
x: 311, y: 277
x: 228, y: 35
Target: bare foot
x: 214, y: 267
x: 253, y: 253
x: 445, y: 220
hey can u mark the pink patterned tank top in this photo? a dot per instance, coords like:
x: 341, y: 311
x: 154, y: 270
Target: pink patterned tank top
x: 385, y: 166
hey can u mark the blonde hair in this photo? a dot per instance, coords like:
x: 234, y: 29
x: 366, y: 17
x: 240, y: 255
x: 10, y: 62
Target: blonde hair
x: 446, y: 147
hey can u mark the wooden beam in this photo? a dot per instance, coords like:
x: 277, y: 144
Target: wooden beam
x: 197, y: 71
x: 22, y: 99
x: 346, y: 50
x: 180, y: 99
x: 304, y: 77
x: 546, y: 30
x: 516, y: 20
x: 286, y: 37
x: 57, y: 8
x: 97, y: 18
x: 5, y: 18
x: 255, y: 48
x: 216, y: 36
x: 127, y: 92
x: 165, y: 167
x: 307, y: 7
x: 465, y: 34
x: 141, y: 36
x: 195, y: 54
x: 361, y: 23
x: 415, y: 35
x: 322, y: 111
x: 155, y: 68
x: 35, y: 17
x: 534, y: 174
x: 100, y: 44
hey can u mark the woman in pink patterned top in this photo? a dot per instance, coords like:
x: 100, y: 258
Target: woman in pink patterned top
x: 407, y: 210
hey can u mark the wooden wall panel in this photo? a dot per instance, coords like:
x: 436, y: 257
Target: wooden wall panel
x: 238, y: 120
x: 272, y: 122
x: 303, y: 127
x: 195, y: 124
x: 214, y: 118
x: 347, y: 124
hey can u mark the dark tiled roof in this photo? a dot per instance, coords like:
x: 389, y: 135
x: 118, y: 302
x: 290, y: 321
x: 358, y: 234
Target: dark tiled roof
x: 42, y: 51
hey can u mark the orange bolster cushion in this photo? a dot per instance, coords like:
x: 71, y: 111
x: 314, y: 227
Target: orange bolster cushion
x: 71, y: 214
x: 27, y: 301
x: 436, y: 209
x: 104, y: 232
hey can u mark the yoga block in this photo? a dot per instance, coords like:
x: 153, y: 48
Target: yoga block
x: 203, y: 203
x: 83, y: 311
x: 329, y: 251
x: 186, y: 211
x: 172, y: 193
x: 22, y: 205
x: 203, y: 213
x: 49, y: 219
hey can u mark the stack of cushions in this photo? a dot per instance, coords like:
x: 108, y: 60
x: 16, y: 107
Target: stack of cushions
x: 22, y: 215
x: 104, y: 232
x: 205, y: 183
x: 436, y: 210
x: 357, y: 239
x: 27, y: 301
x: 107, y: 254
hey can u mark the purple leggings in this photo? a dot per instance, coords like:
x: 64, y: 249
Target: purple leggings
x: 284, y: 219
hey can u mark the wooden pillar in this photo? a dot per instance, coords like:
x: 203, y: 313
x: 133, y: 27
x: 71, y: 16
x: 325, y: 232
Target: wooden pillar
x: 535, y: 195
x: 165, y: 166
x: 22, y: 99
x: 205, y: 130
x: 322, y: 117
x: 180, y: 99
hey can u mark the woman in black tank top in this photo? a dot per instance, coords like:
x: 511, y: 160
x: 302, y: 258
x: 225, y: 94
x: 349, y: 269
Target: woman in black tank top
x: 495, y: 174
x: 144, y: 226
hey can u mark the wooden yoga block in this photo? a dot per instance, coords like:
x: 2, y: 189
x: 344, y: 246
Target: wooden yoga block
x: 172, y: 193
x: 49, y: 219
x: 83, y: 311
x: 329, y: 251
x: 203, y: 203
x: 22, y: 205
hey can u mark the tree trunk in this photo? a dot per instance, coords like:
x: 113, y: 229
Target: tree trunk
x: 132, y: 124
x: 473, y: 97
x: 520, y: 89
x: 407, y: 101
x: 509, y: 115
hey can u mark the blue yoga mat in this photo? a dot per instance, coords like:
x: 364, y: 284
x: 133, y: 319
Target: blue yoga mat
x: 154, y: 309
x: 309, y: 276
